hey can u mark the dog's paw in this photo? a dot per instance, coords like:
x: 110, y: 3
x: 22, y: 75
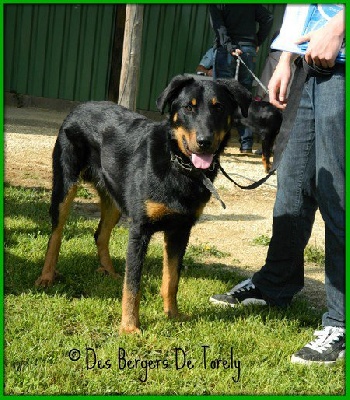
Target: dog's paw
x: 128, y: 329
x: 182, y: 317
x: 108, y: 271
x: 178, y: 316
x: 47, y: 279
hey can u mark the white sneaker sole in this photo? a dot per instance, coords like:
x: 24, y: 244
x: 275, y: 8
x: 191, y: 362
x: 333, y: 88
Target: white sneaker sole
x: 245, y: 302
x: 297, y: 360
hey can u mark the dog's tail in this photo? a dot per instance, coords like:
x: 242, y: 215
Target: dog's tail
x: 69, y: 159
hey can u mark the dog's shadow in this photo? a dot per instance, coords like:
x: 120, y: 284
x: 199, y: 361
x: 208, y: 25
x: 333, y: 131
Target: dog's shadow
x: 78, y: 266
x: 80, y: 279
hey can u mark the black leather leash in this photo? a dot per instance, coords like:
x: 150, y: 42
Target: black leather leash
x: 253, y: 185
x: 290, y: 112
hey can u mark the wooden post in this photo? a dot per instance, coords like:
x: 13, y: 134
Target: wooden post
x: 129, y: 76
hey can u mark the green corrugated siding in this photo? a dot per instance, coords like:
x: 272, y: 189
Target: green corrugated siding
x: 63, y: 50
x: 175, y: 37
x: 58, y: 51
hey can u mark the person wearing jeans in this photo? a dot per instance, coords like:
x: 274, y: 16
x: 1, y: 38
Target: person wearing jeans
x: 236, y: 34
x: 225, y: 67
x: 310, y: 176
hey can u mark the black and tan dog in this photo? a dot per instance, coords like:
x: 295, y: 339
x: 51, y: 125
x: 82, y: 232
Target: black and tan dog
x: 265, y: 120
x: 153, y: 172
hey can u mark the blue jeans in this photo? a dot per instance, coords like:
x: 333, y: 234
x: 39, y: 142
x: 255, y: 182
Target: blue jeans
x: 310, y: 176
x: 225, y: 67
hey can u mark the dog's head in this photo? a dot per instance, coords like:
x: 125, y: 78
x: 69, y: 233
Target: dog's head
x: 202, y: 113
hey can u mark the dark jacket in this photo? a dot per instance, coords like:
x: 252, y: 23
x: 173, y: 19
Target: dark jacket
x: 235, y: 24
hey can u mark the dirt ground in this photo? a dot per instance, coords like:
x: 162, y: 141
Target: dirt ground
x: 30, y: 134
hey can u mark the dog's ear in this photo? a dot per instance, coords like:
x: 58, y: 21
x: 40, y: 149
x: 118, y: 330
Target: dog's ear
x: 239, y: 93
x: 171, y: 92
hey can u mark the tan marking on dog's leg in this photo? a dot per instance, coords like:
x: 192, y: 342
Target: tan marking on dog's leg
x: 222, y: 135
x: 110, y: 216
x: 266, y: 163
x: 170, y: 281
x: 49, y: 270
x: 130, y: 322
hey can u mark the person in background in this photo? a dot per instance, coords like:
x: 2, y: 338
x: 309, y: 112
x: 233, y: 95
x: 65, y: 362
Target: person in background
x: 311, y: 175
x: 206, y: 64
x: 236, y: 34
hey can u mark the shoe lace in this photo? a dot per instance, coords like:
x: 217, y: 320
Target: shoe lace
x: 244, y: 286
x: 325, y: 338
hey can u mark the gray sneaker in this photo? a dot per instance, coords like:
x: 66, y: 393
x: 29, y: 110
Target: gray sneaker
x: 327, y: 348
x: 244, y: 293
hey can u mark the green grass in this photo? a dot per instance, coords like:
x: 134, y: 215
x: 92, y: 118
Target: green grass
x: 82, y: 312
x: 262, y: 240
x: 84, y: 193
x: 204, y: 250
x: 312, y: 254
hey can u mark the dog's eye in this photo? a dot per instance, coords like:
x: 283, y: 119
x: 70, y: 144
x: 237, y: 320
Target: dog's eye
x: 189, y: 108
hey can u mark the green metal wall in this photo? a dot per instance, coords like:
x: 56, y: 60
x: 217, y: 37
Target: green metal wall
x: 175, y: 37
x: 64, y: 50
x: 58, y: 51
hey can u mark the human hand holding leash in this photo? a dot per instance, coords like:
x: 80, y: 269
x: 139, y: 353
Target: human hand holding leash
x: 237, y: 52
x: 323, y: 48
x: 325, y: 43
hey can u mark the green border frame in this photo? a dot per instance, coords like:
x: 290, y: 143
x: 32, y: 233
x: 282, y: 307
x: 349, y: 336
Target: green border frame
x: 2, y: 161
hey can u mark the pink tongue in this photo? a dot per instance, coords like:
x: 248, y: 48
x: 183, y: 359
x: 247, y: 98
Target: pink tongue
x: 202, y: 161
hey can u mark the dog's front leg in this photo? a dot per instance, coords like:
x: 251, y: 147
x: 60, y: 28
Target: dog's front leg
x: 175, y: 243
x: 266, y: 145
x: 137, y: 248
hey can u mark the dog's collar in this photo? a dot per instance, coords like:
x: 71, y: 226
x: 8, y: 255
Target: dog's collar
x: 190, y: 170
x: 181, y: 165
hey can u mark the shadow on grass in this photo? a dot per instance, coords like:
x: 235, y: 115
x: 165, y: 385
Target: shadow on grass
x: 78, y: 266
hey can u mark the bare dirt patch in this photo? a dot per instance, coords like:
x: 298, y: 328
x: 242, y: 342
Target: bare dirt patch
x: 248, y: 213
